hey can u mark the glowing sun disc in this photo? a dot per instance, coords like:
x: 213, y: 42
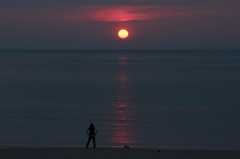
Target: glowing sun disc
x: 123, y: 33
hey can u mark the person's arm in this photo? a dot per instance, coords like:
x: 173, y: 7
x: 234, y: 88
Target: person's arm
x: 96, y: 131
x: 87, y: 132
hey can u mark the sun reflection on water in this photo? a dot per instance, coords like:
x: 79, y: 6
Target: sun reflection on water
x: 122, y: 127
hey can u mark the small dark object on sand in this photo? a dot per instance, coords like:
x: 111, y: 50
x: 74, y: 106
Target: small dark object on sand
x: 126, y: 147
x: 159, y: 151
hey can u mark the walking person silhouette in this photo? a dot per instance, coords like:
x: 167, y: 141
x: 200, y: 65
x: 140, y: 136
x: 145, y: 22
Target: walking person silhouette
x: 92, y: 132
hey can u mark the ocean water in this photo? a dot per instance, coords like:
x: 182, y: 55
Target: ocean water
x: 188, y: 99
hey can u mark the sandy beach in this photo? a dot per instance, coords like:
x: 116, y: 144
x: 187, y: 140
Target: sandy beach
x: 113, y: 153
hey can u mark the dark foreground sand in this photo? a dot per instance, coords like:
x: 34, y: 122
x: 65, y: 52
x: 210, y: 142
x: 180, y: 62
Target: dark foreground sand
x: 113, y: 153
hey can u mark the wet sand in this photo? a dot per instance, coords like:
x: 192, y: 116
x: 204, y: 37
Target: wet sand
x: 113, y: 153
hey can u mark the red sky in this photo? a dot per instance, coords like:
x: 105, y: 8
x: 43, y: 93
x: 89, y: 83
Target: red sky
x: 152, y: 24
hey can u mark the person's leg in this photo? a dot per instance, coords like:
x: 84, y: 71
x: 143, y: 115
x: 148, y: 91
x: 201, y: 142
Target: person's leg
x: 88, y: 142
x: 94, y: 143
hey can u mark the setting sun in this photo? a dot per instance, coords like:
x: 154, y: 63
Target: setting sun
x: 123, y: 33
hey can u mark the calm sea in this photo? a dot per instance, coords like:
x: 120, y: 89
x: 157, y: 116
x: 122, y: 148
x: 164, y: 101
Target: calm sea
x: 144, y: 99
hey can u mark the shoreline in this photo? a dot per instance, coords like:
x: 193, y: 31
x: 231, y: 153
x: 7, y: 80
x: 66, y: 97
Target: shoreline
x: 114, y: 153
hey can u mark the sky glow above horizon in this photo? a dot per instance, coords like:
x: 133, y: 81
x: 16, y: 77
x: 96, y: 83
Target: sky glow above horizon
x: 168, y: 24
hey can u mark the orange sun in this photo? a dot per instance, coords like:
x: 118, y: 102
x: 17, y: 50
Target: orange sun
x: 123, y: 33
